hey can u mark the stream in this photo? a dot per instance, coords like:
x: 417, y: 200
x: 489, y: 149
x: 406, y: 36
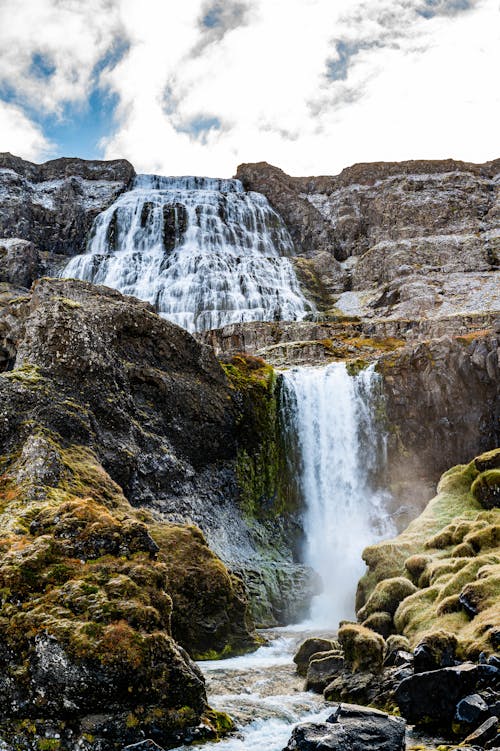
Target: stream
x: 262, y: 693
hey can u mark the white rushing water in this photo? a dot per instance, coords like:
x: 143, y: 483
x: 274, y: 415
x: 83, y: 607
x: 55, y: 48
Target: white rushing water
x: 340, y: 452
x: 203, y: 251
x: 263, y: 694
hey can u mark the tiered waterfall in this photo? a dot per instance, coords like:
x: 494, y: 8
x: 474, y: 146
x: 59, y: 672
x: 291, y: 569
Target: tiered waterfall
x: 203, y: 251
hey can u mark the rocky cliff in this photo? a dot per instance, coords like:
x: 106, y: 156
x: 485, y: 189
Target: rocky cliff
x: 51, y: 208
x: 105, y: 410
x: 393, y: 240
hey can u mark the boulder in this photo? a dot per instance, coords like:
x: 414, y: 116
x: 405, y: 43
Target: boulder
x: 322, y: 669
x: 382, y: 623
x: 307, y: 649
x: 353, y: 728
x: 386, y: 596
x: 363, y: 648
x: 471, y: 710
x: 486, y: 488
x: 431, y: 698
x: 436, y: 650
x: 484, y: 733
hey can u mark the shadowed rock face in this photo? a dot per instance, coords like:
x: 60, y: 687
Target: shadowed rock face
x: 54, y: 204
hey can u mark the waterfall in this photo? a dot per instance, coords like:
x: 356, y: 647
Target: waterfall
x: 203, y: 251
x: 330, y: 419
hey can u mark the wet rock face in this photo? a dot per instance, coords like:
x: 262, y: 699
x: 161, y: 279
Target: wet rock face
x: 441, y: 408
x: 54, y: 204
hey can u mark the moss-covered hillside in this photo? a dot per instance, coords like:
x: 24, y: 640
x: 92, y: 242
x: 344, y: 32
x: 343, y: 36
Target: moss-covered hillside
x: 443, y: 572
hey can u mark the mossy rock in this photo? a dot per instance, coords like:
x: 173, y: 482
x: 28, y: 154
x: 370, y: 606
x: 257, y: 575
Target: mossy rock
x: 486, y: 488
x: 451, y: 552
x: 488, y: 460
x: 310, y: 647
x: 387, y: 595
x: 435, y: 650
x: 396, y: 643
x: 363, y: 648
x: 381, y: 623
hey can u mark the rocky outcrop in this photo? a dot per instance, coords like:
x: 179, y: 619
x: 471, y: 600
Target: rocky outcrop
x: 105, y: 408
x: 53, y: 205
x: 398, y: 240
x: 350, y: 727
x: 441, y: 407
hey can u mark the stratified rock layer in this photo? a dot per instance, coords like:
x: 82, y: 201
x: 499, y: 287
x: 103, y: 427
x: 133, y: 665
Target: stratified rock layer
x: 393, y: 240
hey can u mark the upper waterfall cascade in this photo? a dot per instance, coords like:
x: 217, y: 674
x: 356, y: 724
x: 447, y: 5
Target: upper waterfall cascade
x: 340, y: 450
x: 203, y: 251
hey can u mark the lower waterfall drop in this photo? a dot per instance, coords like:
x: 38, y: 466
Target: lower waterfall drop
x: 331, y: 426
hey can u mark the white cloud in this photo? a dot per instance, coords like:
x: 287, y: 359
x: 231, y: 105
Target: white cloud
x: 20, y: 135
x: 50, y: 47
x: 309, y: 85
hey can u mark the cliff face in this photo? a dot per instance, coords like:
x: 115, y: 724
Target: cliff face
x: 105, y: 410
x: 52, y: 206
x: 397, y: 240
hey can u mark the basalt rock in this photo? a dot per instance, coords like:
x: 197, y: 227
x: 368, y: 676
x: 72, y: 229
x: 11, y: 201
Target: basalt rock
x: 405, y: 240
x: 431, y: 698
x: 350, y: 727
x: 54, y: 204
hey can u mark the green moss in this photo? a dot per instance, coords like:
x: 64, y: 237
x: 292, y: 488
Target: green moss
x: 27, y: 374
x: 452, y: 553
x: 363, y: 648
x: 49, y: 744
x: 486, y: 488
x: 260, y: 464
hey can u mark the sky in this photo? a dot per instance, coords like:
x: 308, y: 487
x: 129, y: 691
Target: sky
x: 199, y: 86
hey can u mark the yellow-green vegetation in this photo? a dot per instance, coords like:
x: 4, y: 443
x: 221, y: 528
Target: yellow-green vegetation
x: 27, y: 374
x: 85, y: 574
x: 260, y: 461
x: 450, y: 555
x: 209, y: 616
x: 363, y: 648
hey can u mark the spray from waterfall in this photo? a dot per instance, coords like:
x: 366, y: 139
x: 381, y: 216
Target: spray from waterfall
x: 203, y: 251
x: 331, y: 425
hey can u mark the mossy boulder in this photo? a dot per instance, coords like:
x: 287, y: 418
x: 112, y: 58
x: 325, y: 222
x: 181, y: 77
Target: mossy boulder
x: 381, y: 622
x: 488, y: 460
x: 436, y: 650
x: 387, y: 595
x: 85, y: 607
x: 452, y: 554
x: 486, y: 488
x: 363, y: 648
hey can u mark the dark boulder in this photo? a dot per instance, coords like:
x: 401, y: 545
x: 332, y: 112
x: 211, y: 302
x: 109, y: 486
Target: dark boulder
x: 484, y: 733
x: 431, y: 698
x: 471, y: 710
x: 307, y: 649
x: 353, y: 728
x: 323, y: 668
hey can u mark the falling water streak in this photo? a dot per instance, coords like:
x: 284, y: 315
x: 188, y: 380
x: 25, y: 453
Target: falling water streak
x: 331, y: 420
x: 203, y: 251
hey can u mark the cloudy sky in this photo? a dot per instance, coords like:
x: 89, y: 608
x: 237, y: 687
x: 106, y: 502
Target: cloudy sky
x: 198, y: 86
